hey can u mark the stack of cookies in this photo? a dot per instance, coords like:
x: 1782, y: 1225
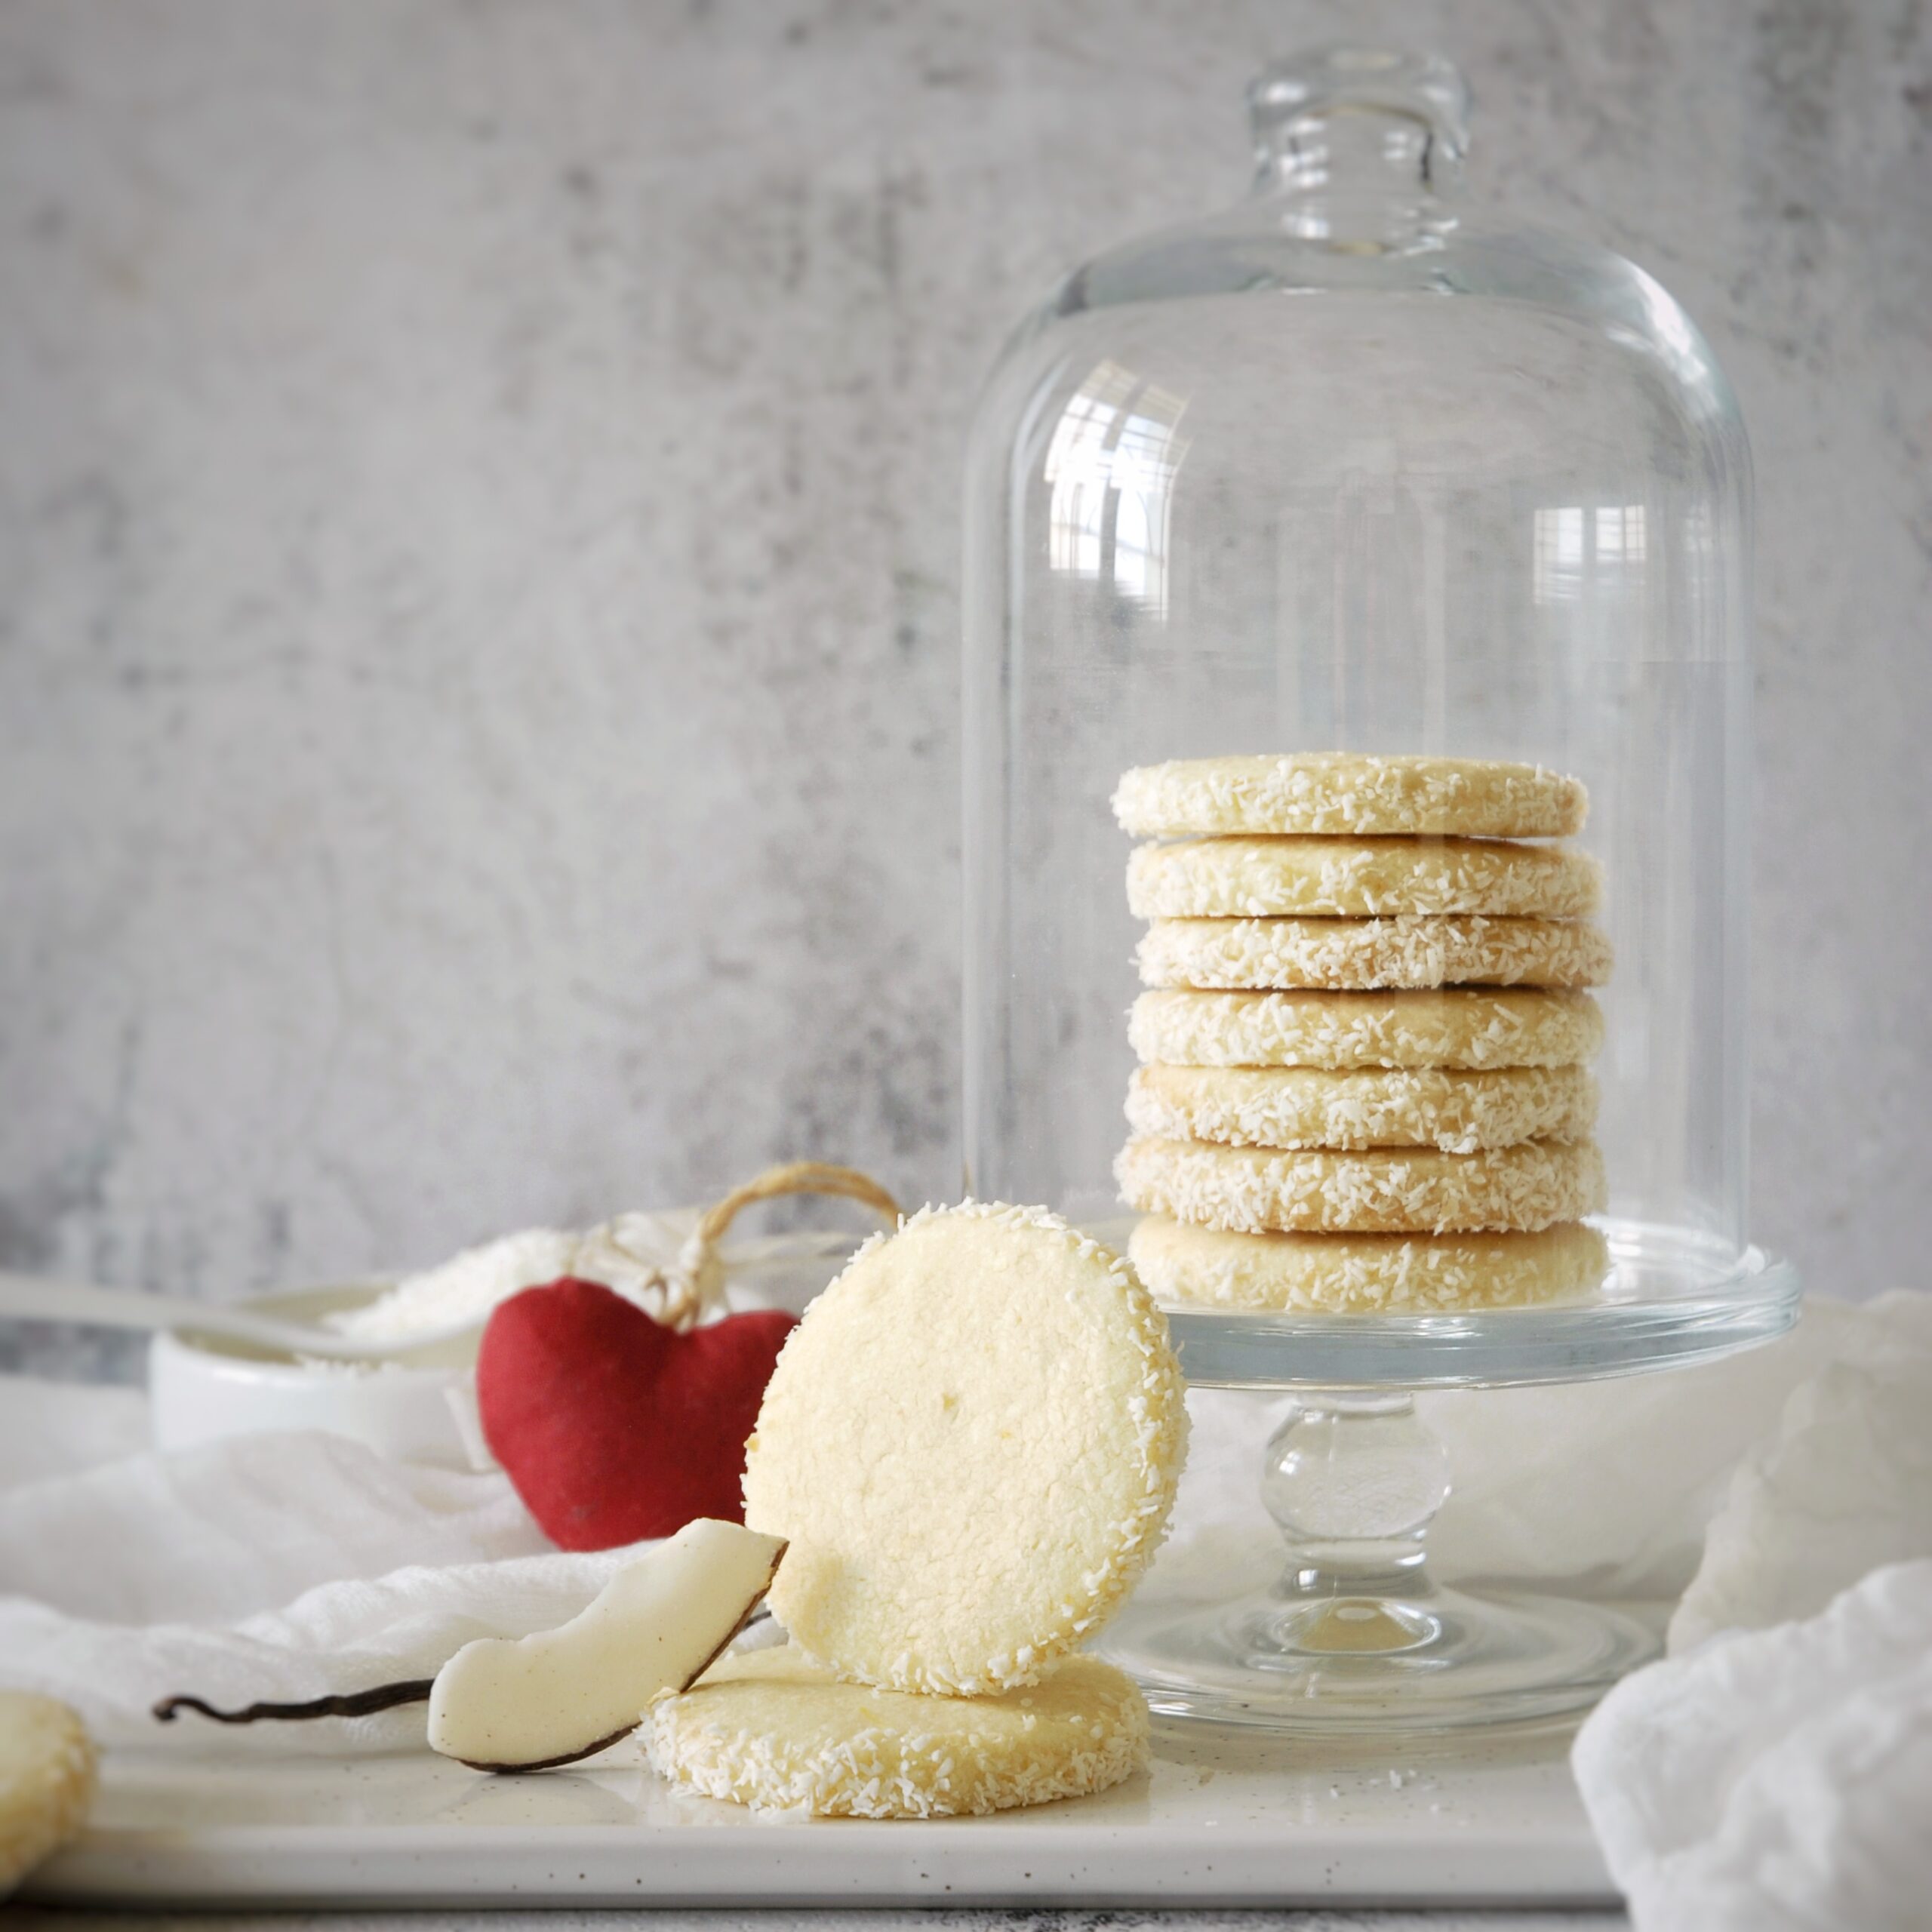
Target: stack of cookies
x: 1363, y: 1083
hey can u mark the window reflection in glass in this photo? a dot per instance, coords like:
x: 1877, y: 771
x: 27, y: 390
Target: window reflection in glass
x: 1574, y: 544
x: 1109, y: 469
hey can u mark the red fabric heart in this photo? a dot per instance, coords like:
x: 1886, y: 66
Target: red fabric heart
x: 612, y: 1426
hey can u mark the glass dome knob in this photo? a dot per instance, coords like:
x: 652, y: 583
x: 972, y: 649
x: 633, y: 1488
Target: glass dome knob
x: 1359, y: 120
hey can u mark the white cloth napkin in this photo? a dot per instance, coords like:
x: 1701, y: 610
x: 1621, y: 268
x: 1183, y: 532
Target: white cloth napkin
x: 227, y: 1528
x: 1780, y: 1780
x: 1776, y: 1771
x: 1842, y: 1485
x: 278, y: 1567
x: 349, y: 1634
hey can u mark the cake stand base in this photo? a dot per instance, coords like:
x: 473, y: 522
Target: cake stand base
x: 1354, y: 1636
x: 1372, y: 1665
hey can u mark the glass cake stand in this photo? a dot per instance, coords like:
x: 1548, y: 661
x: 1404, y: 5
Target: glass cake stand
x: 1355, y: 1636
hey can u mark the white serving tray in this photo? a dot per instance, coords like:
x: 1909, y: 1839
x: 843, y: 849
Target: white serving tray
x: 1223, y: 1819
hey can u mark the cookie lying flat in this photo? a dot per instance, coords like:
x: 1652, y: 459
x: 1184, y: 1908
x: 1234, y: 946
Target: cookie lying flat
x: 1256, y: 1190
x: 1418, y: 950
x: 1355, y: 878
x: 1367, y: 1274
x: 1348, y: 791
x: 1299, y: 1106
x: 1463, y: 1027
x: 47, y: 1780
x: 971, y: 1441
x: 773, y: 1730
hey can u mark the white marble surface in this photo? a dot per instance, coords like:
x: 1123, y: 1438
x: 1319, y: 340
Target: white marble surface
x: 31, y: 1918
x: 26, y: 1918
x: 477, y: 570
x: 1221, y: 1817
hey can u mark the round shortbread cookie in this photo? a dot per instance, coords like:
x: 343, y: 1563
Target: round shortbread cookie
x: 1419, y: 950
x: 1234, y: 878
x: 971, y: 1441
x: 1463, y: 1027
x: 1258, y: 1190
x: 1367, y: 1274
x: 1348, y: 791
x: 772, y: 1730
x: 47, y: 1780
x: 1304, y: 1106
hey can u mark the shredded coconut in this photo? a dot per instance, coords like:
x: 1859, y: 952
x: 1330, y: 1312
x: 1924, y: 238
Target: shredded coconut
x: 463, y: 1289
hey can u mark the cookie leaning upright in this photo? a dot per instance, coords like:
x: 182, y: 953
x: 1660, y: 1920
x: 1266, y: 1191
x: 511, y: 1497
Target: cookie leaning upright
x: 972, y: 1441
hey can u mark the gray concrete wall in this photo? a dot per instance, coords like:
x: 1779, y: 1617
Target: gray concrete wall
x: 478, y: 571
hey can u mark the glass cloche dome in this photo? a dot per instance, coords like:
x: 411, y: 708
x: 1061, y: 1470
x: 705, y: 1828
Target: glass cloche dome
x: 1357, y: 696
x: 1351, y: 469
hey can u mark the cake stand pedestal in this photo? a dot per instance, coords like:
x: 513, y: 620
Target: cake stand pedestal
x: 1354, y: 1636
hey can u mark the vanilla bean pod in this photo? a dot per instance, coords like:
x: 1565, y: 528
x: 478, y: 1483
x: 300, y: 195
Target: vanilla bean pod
x: 353, y: 1704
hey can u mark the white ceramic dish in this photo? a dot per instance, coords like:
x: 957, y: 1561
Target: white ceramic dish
x: 203, y: 1387
x: 420, y: 1405
x: 1223, y: 1820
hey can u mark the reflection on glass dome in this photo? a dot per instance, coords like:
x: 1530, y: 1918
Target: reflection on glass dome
x: 1109, y: 471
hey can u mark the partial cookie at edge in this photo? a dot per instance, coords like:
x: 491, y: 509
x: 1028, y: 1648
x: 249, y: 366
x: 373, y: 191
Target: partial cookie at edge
x: 47, y: 1771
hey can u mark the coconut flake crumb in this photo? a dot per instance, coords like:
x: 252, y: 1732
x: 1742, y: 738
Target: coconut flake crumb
x: 463, y: 1290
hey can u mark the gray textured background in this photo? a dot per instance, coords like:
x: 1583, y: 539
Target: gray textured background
x: 478, y: 571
